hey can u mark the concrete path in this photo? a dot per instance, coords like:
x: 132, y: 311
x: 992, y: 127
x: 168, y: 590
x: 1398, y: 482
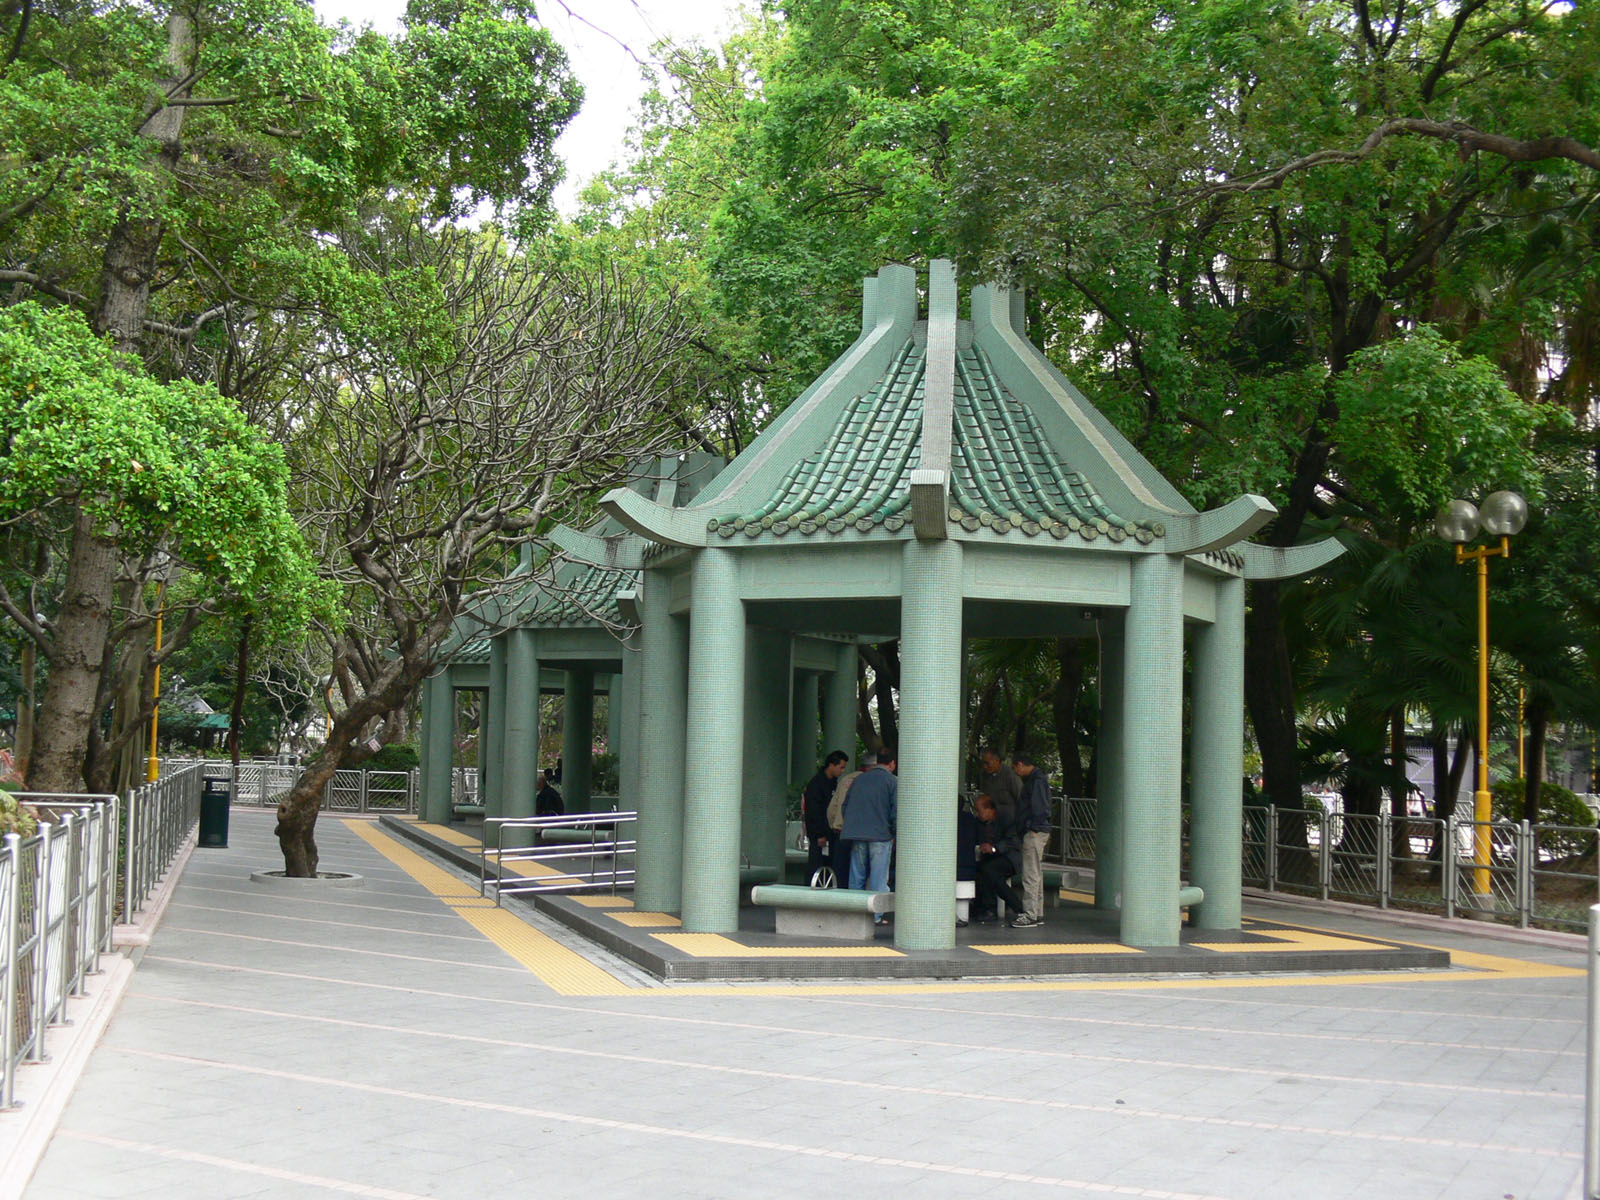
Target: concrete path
x: 400, y: 1040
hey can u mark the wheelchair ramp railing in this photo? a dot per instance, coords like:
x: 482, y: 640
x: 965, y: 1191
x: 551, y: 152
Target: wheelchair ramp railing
x: 584, y: 852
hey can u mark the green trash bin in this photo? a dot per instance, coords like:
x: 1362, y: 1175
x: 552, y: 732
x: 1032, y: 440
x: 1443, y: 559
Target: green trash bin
x: 214, y: 813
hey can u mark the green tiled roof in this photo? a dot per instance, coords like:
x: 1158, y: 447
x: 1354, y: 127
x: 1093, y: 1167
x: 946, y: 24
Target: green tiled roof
x: 586, y: 596
x: 1005, y: 475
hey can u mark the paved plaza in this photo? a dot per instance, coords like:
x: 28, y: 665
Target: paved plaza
x: 404, y: 1039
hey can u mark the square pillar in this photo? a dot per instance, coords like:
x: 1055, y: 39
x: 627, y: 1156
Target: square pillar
x: 1112, y: 755
x: 577, y: 740
x: 714, y: 746
x: 1216, y: 762
x: 804, y: 710
x: 625, y: 699
x: 766, y: 748
x: 520, y: 753
x: 439, y: 745
x: 663, y: 687
x: 1152, y: 771
x: 491, y: 744
x: 613, y: 713
x: 930, y: 753
x: 839, y: 705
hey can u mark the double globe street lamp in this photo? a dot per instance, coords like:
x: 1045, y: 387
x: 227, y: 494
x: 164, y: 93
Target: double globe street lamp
x: 1502, y: 515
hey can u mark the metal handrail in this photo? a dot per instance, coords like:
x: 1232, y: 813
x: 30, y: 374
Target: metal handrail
x: 59, y: 895
x: 613, y: 848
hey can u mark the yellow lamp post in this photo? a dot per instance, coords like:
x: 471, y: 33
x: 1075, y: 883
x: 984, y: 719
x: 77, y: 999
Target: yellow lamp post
x: 1502, y: 515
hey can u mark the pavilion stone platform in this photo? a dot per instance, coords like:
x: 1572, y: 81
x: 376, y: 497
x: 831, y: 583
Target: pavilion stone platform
x: 1076, y: 939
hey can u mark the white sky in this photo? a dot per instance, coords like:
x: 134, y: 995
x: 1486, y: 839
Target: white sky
x: 610, y: 76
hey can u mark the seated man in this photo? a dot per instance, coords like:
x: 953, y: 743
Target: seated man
x: 547, y: 801
x: 998, y: 859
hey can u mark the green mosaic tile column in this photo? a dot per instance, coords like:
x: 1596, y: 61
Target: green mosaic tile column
x: 491, y: 766
x: 626, y: 747
x: 663, y: 685
x: 1152, y: 768
x: 839, y: 705
x: 613, y: 713
x: 577, y: 740
x: 766, y: 747
x: 439, y: 717
x: 1108, y: 803
x: 714, y: 746
x: 930, y: 728
x: 520, y: 754
x: 1216, y: 762
x: 803, y: 756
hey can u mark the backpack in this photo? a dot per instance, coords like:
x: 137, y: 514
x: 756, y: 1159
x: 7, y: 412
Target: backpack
x: 836, y: 805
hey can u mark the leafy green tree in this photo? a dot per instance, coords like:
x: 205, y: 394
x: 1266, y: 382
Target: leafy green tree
x: 176, y: 173
x: 1225, y: 205
x: 138, y: 470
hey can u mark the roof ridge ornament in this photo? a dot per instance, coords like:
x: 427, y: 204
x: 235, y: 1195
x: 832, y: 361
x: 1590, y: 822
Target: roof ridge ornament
x: 930, y: 481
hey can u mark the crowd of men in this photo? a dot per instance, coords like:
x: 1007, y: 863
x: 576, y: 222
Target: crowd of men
x: 850, y: 819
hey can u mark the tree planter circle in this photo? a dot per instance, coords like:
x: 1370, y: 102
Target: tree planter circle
x: 324, y: 879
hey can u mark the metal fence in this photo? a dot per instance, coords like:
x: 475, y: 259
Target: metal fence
x: 60, y: 893
x: 1514, y: 873
x: 264, y: 784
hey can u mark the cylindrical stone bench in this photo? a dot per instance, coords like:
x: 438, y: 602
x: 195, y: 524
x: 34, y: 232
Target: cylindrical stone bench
x: 823, y: 912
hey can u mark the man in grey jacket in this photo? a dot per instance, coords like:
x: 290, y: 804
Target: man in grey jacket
x: 1000, y: 783
x: 870, y: 812
x: 1033, y: 818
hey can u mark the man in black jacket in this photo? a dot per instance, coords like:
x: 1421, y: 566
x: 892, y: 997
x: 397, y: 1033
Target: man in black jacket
x: 997, y: 863
x: 814, y: 812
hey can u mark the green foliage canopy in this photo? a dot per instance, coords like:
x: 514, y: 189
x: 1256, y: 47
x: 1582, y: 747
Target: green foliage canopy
x: 161, y: 466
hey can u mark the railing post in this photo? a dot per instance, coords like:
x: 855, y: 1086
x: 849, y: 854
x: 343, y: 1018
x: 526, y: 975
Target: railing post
x: 8, y: 962
x: 41, y: 945
x: 1527, y: 860
x: 1386, y: 857
x: 1591, y: 1091
x: 1324, y: 852
x: 361, y: 802
x: 129, y: 866
x: 1272, y: 847
x: 1448, y: 854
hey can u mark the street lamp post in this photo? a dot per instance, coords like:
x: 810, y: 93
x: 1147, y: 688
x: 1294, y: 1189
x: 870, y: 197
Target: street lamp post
x: 1502, y: 515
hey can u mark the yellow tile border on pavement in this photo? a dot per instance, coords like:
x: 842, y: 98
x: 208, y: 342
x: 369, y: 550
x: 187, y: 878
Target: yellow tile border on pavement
x: 714, y: 945
x: 569, y: 973
x: 562, y: 970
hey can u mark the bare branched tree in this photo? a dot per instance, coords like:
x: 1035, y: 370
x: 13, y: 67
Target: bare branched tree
x: 496, y: 398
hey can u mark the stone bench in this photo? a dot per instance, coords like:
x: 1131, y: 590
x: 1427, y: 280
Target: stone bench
x: 823, y: 912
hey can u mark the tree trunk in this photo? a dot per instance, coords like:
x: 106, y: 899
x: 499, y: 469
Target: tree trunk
x: 297, y: 814
x: 1069, y: 684
x: 82, y: 626
x: 1269, y: 696
x: 1400, y: 791
x: 1533, y: 754
x: 25, y: 707
x: 134, y: 245
x: 236, y: 712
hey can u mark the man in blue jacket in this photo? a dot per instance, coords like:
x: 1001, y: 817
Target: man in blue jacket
x: 870, y: 812
x: 1033, y: 818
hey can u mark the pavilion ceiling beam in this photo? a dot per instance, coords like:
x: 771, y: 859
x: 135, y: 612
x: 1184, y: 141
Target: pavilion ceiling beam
x: 1218, y: 528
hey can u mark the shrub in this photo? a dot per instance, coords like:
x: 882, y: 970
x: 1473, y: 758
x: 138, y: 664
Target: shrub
x: 15, y: 816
